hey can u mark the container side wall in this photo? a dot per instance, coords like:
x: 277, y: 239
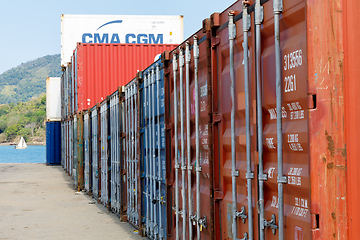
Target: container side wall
x: 352, y: 89
x: 102, y: 68
x: 328, y: 151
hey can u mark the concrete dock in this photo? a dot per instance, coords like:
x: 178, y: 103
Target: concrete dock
x: 40, y: 202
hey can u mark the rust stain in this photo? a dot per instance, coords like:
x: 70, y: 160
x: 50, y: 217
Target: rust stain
x: 342, y: 152
x: 340, y: 167
x: 331, y: 145
x: 330, y: 165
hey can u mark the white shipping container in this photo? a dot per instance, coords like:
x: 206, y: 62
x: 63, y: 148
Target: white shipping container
x: 53, y: 99
x: 130, y: 29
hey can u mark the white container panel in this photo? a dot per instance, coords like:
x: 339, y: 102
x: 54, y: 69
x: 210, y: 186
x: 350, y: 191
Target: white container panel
x: 53, y: 99
x: 128, y: 29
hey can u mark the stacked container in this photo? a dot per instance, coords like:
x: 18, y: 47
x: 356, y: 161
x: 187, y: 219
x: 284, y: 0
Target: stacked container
x: 237, y: 133
x: 53, y: 121
x: 101, y: 68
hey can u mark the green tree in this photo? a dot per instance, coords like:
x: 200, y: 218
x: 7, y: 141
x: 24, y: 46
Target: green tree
x: 25, y: 132
x: 12, y: 131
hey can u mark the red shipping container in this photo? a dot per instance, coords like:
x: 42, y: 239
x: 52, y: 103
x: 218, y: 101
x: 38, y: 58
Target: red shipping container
x: 102, y: 68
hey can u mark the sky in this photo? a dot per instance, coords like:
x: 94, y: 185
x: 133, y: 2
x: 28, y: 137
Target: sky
x: 30, y: 29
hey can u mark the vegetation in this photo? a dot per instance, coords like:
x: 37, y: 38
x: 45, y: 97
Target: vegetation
x: 26, y: 81
x: 23, y: 119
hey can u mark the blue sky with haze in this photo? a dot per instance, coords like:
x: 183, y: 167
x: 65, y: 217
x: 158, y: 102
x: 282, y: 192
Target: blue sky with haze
x: 31, y: 28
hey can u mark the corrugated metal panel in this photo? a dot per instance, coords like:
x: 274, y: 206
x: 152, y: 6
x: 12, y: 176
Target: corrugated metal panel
x: 104, y: 124
x: 234, y: 147
x: 102, y: 68
x: 53, y: 99
x: 329, y: 150
x: 119, y: 29
x: 95, y: 151
x: 80, y: 151
x: 191, y: 150
x: 351, y: 18
x: 123, y: 162
x: 71, y: 147
x: 53, y: 143
x: 132, y: 153
x: 115, y: 149
x: 87, y: 152
x: 153, y: 154
x: 74, y: 149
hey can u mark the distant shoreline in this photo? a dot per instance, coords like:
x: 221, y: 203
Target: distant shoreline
x: 29, y: 144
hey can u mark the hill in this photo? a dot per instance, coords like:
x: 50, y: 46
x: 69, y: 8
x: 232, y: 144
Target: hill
x: 23, y: 119
x: 27, y: 81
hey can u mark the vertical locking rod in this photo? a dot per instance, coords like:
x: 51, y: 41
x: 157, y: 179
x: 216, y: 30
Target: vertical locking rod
x: 182, y: 140
x: 249, y: 173
x: 234, y: 172
x: 197, y: 117
x: 188, y: 145
x: 175, y: 67
x: 281, y: 179
x: 262, y: 177
x: 146, y: 155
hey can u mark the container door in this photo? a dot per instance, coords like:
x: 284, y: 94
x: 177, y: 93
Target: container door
x: 235, y: 167
x: 80, y: 152
x: 153, y: 157
x: 264, y: 182
x: 95, y: 155
x: 191, y: 118
x: 48, y: 144
x: 57, y: 143
x: 86, y: 153
x: 62, y: 144
x: 104, y: 154
x: 115, y: 152
x: 71, y: 146
x: 75, y: 152
x: 132, y: 153
x: 295, y: 137
x: 123, y: 179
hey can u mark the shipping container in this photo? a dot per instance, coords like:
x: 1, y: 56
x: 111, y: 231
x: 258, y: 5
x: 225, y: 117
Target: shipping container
x: 115, y: 149
x: 87, y: 152
x: 80, y: 151
x: 104, y: 152
x: 53, y: 99
x: 74, y: 149
x: 132, y: 150
x: 102, y: 68
x: 95, y: 136
x: 70, y: 145
x: 123, y: 165
x: 53, y: 143
x: 63, y: 146
x: 152, y: 154
x: 123, y: 29
x: 67, y: 92
x: 188, y: 110
x: 244, y: 131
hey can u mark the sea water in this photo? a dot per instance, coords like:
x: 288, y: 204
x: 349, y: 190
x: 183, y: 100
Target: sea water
x: 32, y: 154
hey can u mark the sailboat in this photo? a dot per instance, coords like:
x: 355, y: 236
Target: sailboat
x: 22, y: 144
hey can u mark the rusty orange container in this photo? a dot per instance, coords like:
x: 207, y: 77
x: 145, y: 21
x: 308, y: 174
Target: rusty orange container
x: 304, y: 187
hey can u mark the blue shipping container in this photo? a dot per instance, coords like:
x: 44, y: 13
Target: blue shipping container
x: 53, y: 143
x: 152, y: 157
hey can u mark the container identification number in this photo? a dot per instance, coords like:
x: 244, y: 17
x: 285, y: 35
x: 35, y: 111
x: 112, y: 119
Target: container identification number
x: 293, y: 60
x: 290, y: 83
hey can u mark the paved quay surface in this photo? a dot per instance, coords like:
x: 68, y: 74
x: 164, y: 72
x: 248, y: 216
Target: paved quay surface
x: 40, y: 202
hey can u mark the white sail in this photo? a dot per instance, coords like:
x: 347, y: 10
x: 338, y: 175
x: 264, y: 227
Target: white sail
x: 22, y: 144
